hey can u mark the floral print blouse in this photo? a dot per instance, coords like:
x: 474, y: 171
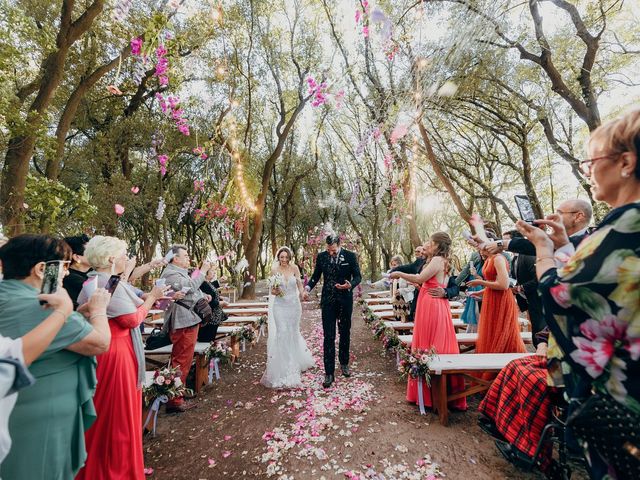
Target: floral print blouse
x: 592, y: 308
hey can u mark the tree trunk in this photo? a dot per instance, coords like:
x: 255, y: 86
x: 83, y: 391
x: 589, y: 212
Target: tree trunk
x: 20, y: 147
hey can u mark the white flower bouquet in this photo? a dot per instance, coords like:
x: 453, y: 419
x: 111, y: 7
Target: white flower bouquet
x: 275, y: 283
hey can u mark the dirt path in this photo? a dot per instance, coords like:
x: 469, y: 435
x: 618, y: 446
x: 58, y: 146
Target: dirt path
x: 362, y: 426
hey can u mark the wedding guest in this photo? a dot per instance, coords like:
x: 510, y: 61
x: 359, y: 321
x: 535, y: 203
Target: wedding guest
x: 181, y: 322
x: 114, y: 441
x: 575, y: 214
x: 17, y: 354
x: 591, y: 304
x: 498, y: 326
x: 523, y: 270
x: 471, y: 312
x: 413, y: 268
x: 433, y: 323
x: 208, y: 332
x: 78, y: 268
x: 49, y: 419
x: 395, y: 262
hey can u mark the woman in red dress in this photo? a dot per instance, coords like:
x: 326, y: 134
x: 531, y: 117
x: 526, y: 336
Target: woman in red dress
x: 498, y: 329
x: 114, y: 441
x: 433, y: 324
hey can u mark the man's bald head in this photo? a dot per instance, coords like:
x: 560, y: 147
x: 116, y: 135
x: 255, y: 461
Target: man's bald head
x: 576, y: 214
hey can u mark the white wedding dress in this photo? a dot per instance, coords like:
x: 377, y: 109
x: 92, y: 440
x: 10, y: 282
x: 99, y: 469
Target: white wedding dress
x: 287, y: 352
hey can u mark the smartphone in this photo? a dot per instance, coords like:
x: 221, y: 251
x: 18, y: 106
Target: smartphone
x: 185, y: 289
x: 525, y: 209
x: 112, y: 283
x: 53, y: 273
x: 161, y: 282
x: 169, y: 256
x: 467, y: 235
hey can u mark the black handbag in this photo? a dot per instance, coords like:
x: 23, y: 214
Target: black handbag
x: 613, y: 430
x: 201, y: 308
x: 157, y: 339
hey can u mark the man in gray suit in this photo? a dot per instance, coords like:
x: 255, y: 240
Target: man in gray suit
x: 180, y: 320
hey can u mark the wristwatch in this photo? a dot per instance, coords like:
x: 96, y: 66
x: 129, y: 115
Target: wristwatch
x: 500, y: 243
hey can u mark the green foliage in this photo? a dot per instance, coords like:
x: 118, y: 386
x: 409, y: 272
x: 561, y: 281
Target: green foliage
x: 63, y: 210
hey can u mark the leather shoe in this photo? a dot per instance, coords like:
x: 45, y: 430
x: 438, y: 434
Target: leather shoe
x: 328, y: 380
x: 183, y: 407
x: 345, y: 370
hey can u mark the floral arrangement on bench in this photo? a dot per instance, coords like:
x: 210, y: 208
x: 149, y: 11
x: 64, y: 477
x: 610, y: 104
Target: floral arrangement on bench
x: 166, y: 382
x: 220, y: 350
x: 416, y: 363
x: 246, y: 333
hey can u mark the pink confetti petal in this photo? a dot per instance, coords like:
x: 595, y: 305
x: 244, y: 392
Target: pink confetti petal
x: 119, y: 209
x: 148, y: 471
x: 212, y: 462
x: 227, y: 437
x: 226, y: 454
x: 135, y: 190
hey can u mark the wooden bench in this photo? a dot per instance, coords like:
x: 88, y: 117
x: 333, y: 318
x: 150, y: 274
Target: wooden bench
x: 238, y: 312
x: 230, y: 291
x: 457, y: 323
x: 248, y: 305
x: 378, y: 300
x: 249, y: 319
x: 464, y: 339
x: 202, y: 368
x: 468, y: 366
x: 380, y: 293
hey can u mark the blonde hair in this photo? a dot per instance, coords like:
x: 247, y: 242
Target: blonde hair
x: 101, y: 248
x: 620, y: 135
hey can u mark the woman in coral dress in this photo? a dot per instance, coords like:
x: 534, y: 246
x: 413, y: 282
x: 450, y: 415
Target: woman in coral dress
x: 114, y: 441
x: 433, y: 324
x: 498, y: 329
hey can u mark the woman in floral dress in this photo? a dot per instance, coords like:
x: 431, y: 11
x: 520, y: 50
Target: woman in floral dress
x: 592, y: 303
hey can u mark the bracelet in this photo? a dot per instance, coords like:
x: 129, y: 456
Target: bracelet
x: 57, y: 310
x: 98, y: 315
x: 545, y: 257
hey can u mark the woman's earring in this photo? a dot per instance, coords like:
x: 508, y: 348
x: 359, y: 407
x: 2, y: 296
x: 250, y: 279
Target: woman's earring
x: 113, y: 267
x: 625, y: 174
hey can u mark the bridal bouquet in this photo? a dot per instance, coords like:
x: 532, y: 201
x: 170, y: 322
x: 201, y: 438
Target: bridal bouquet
x: 276, y: 281
x: 166, y: 381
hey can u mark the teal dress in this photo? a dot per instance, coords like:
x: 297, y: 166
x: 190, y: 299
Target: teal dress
x: 48, y: 422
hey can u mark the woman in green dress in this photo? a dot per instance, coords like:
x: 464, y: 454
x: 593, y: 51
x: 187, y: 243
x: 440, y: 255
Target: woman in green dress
x: 49, y: 419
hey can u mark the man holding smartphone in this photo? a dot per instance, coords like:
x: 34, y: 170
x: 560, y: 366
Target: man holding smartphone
x: 181, y: 322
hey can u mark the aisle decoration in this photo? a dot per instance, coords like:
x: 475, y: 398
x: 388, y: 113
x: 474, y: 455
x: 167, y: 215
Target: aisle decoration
x: 262, y: 325
x: 244, y: 335
x: 165, y: 386
x: 416, y: 364
x: 216, y: 354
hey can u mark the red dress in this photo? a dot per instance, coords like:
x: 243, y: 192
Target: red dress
x: 498, y: 329
x: 434, y: 328
x: 114, y: 441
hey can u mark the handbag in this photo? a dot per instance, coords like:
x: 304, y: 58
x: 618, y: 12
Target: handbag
x: 201, y: 308
x: 157, y: 339
x: 613, y: 430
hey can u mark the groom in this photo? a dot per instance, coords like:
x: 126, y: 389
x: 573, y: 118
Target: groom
x: 341, y: 275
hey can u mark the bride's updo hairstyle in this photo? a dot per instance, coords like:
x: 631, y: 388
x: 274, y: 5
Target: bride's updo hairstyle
x: 284, y: 249
x: 442, y: 247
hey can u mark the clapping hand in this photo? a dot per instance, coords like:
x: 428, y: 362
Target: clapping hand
x: 343, y: 286
x: 394, y: 275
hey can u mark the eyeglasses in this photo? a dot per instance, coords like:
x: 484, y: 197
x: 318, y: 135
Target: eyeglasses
x: 562, y: 212
x: 587, y: 164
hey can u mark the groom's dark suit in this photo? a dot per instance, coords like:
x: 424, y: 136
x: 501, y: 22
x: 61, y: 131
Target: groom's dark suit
x: 336, y: 304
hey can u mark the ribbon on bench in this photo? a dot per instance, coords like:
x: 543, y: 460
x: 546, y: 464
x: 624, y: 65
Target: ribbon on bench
x: 261, y: 332
x: 397, y: 358
x: 153, y: 412
x: 421, y: 397
x: 214, y: 368
x: 244, y: 344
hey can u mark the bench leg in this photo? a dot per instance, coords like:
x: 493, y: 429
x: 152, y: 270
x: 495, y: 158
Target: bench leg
x: 439, y: 397
x: 202, y: 372
x: 235, y: 347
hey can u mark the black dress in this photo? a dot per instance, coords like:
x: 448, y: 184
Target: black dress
x: 73, y: 282
x: 207, y: 333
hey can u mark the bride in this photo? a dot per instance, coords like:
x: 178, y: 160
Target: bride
x: 287, y: 352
